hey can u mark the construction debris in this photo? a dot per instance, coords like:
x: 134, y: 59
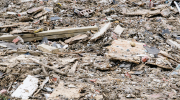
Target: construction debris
x: 47, y: 49
x: 26, y: 89
x: 89, y: 49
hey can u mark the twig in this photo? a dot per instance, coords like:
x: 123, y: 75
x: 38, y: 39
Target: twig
x: 177, y: 6
x: 54, y: 69
x: 42, y: 85
x: 166, y: 55
x: 42, y: 66
x: 10, y: 86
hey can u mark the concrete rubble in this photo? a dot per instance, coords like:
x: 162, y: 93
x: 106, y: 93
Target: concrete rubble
x: 89, y: 49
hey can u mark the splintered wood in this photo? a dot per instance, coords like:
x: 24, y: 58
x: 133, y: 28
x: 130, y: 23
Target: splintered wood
x: 143, y: 12
x: 76, y: 38
x: 101, y: 32
x: 51, y: 34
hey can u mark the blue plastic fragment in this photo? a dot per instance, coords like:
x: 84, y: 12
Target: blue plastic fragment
x: 27, y: 53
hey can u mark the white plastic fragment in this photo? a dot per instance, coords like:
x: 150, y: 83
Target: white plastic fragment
x: 27, y: 88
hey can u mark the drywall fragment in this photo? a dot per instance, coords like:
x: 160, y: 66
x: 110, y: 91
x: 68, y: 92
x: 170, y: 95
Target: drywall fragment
x: 118, y: 30
x: 27, y: 88
x: 47, y: 48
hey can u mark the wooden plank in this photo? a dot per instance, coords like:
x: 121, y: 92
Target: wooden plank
x: 35, y: 10
x: 21, y: 23
x: 26, y: 35
x: 41, y: 14
x: 8, y: 26
x: 51, y: 37
x: 32, y: 37
x: 66, y: 31
x: 8, y: 37
x: 11, y: 37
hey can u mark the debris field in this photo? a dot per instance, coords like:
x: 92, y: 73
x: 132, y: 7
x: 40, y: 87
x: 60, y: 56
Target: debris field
x: 89, y: 50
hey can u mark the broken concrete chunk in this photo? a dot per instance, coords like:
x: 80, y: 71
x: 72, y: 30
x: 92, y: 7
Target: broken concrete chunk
x: 132, y: 59
x: 29, y: 86
x: 70, y: 93
x: 47, y: 48
x: 123, y: 47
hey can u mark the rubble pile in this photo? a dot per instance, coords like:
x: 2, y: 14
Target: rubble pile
x: 89, y: 49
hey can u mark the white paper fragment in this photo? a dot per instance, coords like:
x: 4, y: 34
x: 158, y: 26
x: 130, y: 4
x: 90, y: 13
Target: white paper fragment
x: 27, y: 88
x: 118, y: 30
